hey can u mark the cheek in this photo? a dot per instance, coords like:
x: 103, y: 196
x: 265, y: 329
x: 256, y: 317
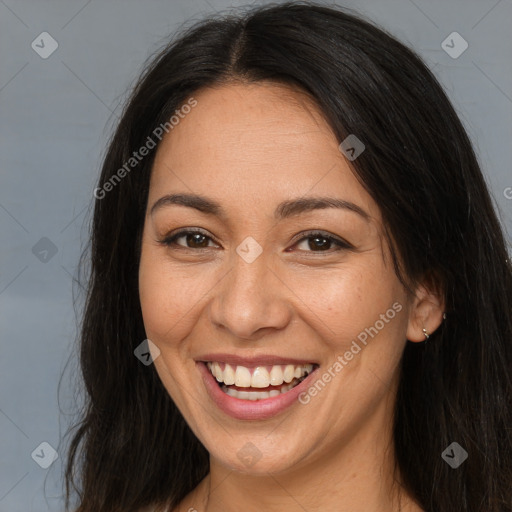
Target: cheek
x: 171, y: 295
x: 349, y: 299
x: 338, y: 303
x: 162, y: 297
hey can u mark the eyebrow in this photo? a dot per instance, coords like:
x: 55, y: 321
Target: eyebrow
x: 286, y: 209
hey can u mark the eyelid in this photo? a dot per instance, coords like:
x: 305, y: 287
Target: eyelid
x: 324, y: 234
x: 340, y: 243
x: 172, y: 236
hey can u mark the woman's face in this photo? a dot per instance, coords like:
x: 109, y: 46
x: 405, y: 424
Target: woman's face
x: 262, y: 288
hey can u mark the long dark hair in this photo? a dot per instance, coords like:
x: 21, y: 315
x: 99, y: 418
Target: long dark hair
x: 131, y: 446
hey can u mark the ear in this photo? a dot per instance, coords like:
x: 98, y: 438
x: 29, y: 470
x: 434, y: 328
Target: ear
x: 426, y: 312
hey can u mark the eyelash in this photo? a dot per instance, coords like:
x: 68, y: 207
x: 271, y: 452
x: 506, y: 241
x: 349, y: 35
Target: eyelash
x: 340, y: 243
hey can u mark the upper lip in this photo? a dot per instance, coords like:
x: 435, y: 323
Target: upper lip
x: 261, y: 360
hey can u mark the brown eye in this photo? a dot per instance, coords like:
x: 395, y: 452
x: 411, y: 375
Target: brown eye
x: 316, y: 242
x: 320, y: 242
x: 193, y: 239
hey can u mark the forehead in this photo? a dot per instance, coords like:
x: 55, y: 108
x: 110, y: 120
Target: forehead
x: 254, y: 144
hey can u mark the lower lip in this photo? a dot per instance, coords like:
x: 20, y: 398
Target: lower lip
x: 251, y: 409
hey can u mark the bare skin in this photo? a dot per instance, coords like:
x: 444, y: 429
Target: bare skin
x: 250, y: 147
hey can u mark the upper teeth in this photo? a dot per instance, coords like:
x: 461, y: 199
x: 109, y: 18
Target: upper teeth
x: 258, y: 377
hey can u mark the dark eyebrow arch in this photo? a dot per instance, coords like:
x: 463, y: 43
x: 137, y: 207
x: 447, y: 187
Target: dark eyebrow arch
x: 284, y: 210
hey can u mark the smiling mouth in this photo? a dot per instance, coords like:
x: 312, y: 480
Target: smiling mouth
x: 260, y: 382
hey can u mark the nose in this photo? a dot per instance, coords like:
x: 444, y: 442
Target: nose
x: 251, y: 300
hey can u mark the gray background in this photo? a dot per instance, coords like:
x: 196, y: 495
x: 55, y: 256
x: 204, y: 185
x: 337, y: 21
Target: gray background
x: 56, y: 115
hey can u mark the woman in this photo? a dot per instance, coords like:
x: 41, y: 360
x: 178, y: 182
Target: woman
x: 300, y: 294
